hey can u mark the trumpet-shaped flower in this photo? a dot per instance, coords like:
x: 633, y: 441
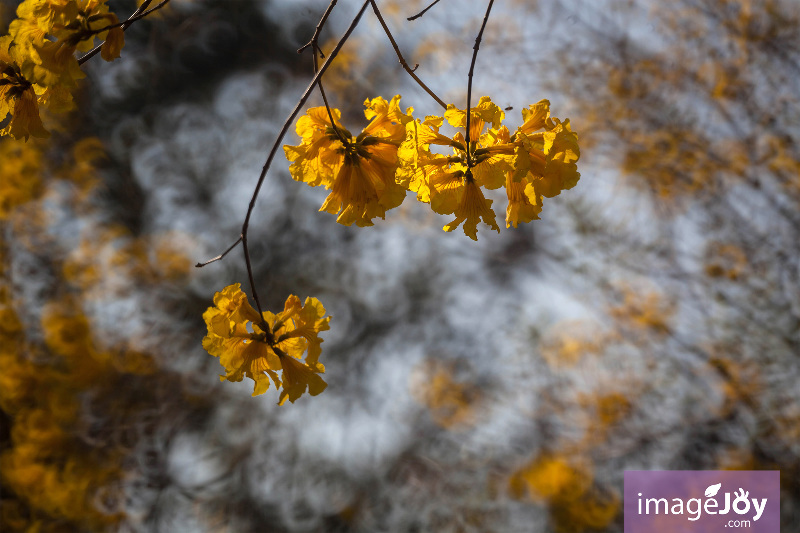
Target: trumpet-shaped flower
x: 485, y: 112
x: 472, y: 207
x: 49, y: 32
x: 259, y: 347
x: 18, y: 97
x: 550, y: 165
x: 530, y: 163
x: 524, y: 203
x: 360, y: 170
x: 453, y: 184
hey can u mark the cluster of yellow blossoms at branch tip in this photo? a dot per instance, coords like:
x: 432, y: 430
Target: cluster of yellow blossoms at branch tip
x: 370, y: 173
x: 38, y: 67
x: 259, y: 347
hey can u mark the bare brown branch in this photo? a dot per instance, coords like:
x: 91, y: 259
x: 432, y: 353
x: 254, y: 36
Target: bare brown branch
x: 402, y: 59
x: 418, y: 15
x: 140, y: 13
x: 279, y: 139
x: 220, y: 256
x: 471, y: 71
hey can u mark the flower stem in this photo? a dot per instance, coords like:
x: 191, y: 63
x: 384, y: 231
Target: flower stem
x: 402, y: 59
x: 140, y: 13
x: 279, y: 139
x: 471, y: 71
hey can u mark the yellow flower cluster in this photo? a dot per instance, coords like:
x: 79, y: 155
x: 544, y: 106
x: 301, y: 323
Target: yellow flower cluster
x: 567, y: 486
x: 38, y: 67
x: 358, y: 170
x: 20, y: 175
x: 452, y: 403
x: 51, y: 474
x: 258, y: 347
x: 369, y: 174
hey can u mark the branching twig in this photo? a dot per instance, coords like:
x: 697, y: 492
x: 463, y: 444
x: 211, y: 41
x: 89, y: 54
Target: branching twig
x: 314, y: 39
x: 140, y: 13
x: 325, y: 100
x: 273, y: 151
x: 319, y: 71
x: 418, y: 15
x: 400, y: 56
x: 471, y: 71
x: 314, y: 44
x: 220, y: 256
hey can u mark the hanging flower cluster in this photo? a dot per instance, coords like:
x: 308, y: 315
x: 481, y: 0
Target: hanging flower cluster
x: 360, y: 170
x: 370, y: 174
x: 38, y: 67
x: 248, y: 345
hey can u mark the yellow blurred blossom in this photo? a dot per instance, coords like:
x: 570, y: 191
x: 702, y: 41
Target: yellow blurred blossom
x: 17, y: 97
x: 551, y: 476
x: 452, y: 402
x: 38, y: 66
x: 566, y: 485
x: 20, y: 174
x: 725, y: 260
x: 645, y: 311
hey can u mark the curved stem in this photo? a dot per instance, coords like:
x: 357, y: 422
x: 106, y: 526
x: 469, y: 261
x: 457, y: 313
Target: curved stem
x: 325, y: 98
x: 402, y: 59
x: 315, y: 38
x: 418, y: 15
x: 471, y: 71
x: 314, y: 44
x: 140, y: 13
x: 281, y: 134
x: 220, y: 256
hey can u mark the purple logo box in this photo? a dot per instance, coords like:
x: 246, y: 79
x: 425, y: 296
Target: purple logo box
x: 685, y: 501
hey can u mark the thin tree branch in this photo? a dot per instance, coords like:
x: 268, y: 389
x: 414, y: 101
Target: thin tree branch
x: 220, y: 256
x: 327, y: 105
x: 314, y: 44
x: 273, y: 151
x: 471, y: 71
x: 418, y: 15
x: 402, y: 60
x: 314, y: 39
x: 140, y: 13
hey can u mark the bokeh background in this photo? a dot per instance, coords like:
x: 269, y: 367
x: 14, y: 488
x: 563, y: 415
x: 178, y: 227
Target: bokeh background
x: 649, y: 320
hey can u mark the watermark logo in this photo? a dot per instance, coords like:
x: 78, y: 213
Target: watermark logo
x: 683, y: 501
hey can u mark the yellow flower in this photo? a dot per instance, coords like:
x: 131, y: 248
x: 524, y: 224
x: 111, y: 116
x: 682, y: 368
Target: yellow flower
x: 77, y: 27
x: 47, y: 14
x: 535, y: 117
x: 43, y: 61
x: 25, y: 119
x: 484, y: 112
x: 524, y: 204
x: 251, y: 346
x: 452, y: 184
x: 360, y: 171
x: 550, y: 166
x: 471, y: 209
x: 49, y: 32
x: 114, y: 42
x: 20, y: 175
x: 18, y: 97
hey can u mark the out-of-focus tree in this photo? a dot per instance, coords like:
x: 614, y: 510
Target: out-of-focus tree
x: 458, y: 398
x: 697, y: 103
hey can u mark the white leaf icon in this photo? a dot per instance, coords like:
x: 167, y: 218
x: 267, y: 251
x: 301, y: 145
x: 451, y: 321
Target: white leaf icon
x: 713, y: 490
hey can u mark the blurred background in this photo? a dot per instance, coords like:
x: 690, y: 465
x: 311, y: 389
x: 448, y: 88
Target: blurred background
x: 649, y: 320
